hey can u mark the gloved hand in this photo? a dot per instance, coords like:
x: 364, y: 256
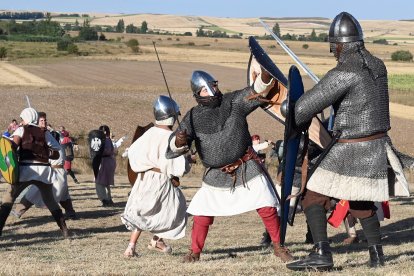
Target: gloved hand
x: 181, y: 138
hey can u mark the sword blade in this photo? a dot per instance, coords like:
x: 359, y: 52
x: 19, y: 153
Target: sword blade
x: 28, y: 101
x: 290, y: 53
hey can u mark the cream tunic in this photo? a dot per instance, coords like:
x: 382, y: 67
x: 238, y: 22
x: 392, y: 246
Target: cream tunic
x: 154, y: 204
x: 59, y: 182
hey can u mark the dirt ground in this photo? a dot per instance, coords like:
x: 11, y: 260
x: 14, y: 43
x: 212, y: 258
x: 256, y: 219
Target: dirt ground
x: 88, y: 93
x: 33, y: 246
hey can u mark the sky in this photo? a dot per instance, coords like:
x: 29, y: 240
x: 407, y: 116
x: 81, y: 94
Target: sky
x: 361, y: 9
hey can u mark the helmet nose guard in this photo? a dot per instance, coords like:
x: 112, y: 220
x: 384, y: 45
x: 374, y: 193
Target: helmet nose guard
x: 200, y: 79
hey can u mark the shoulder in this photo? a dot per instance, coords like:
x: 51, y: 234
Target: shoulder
x: 18, y: 132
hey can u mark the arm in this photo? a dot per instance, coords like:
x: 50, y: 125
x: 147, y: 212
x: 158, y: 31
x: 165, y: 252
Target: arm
x: 173, y: 150
x: 330, y: 89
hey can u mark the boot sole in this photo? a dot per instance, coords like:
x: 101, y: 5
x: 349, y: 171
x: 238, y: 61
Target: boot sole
x: 310, y: 268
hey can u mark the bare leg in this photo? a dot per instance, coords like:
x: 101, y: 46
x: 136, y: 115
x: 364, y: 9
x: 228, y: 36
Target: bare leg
x: 130, y: 251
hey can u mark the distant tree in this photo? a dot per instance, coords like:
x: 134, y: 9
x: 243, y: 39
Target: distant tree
x: 3, y: 53
x: 120, y: 27
x: 131, y: 29
x: 144, y: 27
x: 305, y: 46
x: 76, y: 27
x: 200, y: 32
x: 86, y: 32
x: 188, y: 34
x: 323, y: 37
x: 380, y: 41
x: 402, y: 55
x: 63, y: 44
x: 276, y: 29
x: 313, y: 36
x: 110, y: 29
x: 67, y: 27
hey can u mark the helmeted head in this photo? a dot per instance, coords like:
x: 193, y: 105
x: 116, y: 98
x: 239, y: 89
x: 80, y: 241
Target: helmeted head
x: 205, y: 89
x: 344, y: 29
x: 165, y: 111
x: 29, y: 116
x: 105, y: 129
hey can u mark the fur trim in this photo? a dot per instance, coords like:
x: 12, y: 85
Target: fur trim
x: 348, y: 187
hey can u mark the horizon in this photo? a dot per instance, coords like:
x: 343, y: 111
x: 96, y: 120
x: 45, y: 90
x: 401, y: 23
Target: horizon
x: 362, y: 10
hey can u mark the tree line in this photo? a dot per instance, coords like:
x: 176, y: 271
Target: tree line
x: 22, y: 15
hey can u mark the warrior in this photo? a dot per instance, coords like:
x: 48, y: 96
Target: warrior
x: 356, y: 167
x: 156, y: 204
x: 106, y: 174
x: 234, y: 181
x: 35, y: 147
x: 60, y: 187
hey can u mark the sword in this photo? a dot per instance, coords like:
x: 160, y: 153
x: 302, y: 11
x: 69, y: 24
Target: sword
x: 290, y: 53
x: 166, y: 84
x: 28, y: 101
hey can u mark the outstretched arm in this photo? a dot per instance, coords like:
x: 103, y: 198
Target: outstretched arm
x: 330, y: 89
x: 181, y: 139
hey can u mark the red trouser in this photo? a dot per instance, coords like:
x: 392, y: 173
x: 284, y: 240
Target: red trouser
x: 202, y: 223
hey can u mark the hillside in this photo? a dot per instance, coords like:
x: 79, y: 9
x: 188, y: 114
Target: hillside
x: 392, y: 30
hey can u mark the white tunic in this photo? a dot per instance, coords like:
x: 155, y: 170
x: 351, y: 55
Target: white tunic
x: 35, y: 172
x: 210, y: 201
x: 59, y: 182
x: 154, y: 204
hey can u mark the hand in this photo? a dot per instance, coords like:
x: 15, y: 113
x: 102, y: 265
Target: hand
x: 266, y: 77
x: 181, y: 138
x: 175, y: 181
x: 191, y: 158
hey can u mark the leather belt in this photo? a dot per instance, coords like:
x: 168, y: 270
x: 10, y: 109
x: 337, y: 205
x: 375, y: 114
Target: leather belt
x: 57, y: 166
x: 153, y: 169
x: 231, y: 168
x: 363, y: 139
x: 175, y: 181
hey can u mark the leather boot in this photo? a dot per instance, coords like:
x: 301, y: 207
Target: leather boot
x: 266, y: 240
x: 69, y: 211
x: 60, y: 220
x: 282, y: 252
x: 320, y: 259
x: 376, y: 255
x: 4, y: 214
x: 191, y: 257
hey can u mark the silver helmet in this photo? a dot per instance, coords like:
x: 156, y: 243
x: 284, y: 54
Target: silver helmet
x: 165, y: 107
x: 201, y: 79
x: 345, y: 28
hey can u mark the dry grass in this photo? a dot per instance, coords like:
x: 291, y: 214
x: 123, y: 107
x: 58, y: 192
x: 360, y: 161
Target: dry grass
x: 33, y: 245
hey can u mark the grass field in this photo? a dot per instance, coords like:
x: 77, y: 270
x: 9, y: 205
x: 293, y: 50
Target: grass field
x: 32, y: 245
